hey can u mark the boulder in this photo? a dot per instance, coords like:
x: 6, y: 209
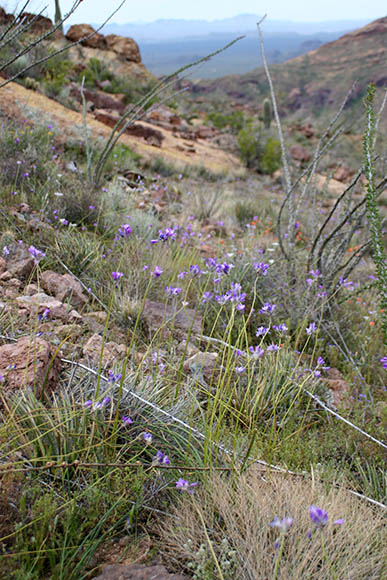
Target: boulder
x: 28, y: 363
x: 39, y: 303
x: 137, y: 572
x: 39, y: 23
x: 80, y: 32
x: 338, y: 386
x: 123, y: 46
x: 203, y: 365
x: 342, y: 174
x: 146, y: 132
x: 63, y: 287
x: 111, y: 351
x: 5, y: 18
x: 299, y: 153
x: 99, y: 99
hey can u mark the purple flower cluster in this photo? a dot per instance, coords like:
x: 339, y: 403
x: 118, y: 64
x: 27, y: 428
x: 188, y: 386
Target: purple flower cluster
x: 36, y: 254
x: 319, y: 519
x: 261, y: 268
x: 165, y: 235
x: 234, y: 295
x: 97, y: 405
x: 124, y: 231
x: 267, y: 308
x: 170, y: 291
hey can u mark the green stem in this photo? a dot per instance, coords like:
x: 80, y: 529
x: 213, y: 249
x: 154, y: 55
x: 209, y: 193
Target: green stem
x: 279, y: 557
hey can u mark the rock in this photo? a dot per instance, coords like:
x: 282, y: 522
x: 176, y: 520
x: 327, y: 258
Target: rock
x: 28, y: 363
x: 146, y: 132
x: 77, y: 32
x: 111, y: 352
x: 5, y: 18
x: 99, y: 99
x: 338, y: 386
x: 181, y: 320
x: 5, y: 276
x: 203, y: 132
x: 202, y: 365
x: 125, y: 47
x: 31, y: 289
x: 3, y: 265
x: 63, y: 287
x: 40, y: 23
x: 137, y: 572
x: 299, y: 153
x: 342, y: 174
x: 38, y: 303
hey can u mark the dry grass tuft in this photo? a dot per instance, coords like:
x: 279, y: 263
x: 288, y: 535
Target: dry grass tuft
x: 238, y: 512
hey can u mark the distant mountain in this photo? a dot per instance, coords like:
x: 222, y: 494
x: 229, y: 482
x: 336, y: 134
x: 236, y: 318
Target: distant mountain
x: 320, y: 78
x: 166, y: 45
x: 166, y: 30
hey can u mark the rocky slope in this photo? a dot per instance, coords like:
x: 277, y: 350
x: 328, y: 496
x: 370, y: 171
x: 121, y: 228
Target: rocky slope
x: 319, y: 79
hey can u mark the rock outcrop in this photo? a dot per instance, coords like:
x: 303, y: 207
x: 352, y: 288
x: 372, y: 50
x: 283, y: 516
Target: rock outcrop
x: 124, y: 47
x: 28, y: 363
x: 86, y: 35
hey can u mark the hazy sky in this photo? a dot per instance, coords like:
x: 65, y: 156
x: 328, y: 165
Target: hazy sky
x: 296, y: 10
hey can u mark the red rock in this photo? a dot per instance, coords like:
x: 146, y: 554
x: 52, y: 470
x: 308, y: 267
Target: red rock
x: 38, y: 303
x: 99, y: 99
x: 338, y: 386
x: 299, y: 153
x: 38, y: 22
x: 28, y: 363
x: 342, y: 174
x: 64, y: 287
x: 77, y: 32
x: 3, y: 265
x: 125, y: 47
x: 111, y: 351
x: 149, y: 134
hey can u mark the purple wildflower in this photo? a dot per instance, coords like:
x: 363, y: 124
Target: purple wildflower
x: 311, y: 328
x: 125, y: 230
x: 157, y: 272
x: 267, y: 308
x: 319, y: 518
x: 206, y: 297
x: 161, y: 458
x: 117, y: 276
x: 183, y: 485
x: 262, y: 330
x: 36, y: 254
x: 170, y: 291
x: 240, y: 370
x: 126, y: 420
x: 256, y: 352
x: 147, y: 438
x: 280, y: 327
x: 383, y: 360
x: 283, y: 526
x: 195, y: 270
x: 261, y: 268
x: 273, y: 348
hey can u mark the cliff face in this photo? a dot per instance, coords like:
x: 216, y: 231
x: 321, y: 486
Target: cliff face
x: 320, y: 78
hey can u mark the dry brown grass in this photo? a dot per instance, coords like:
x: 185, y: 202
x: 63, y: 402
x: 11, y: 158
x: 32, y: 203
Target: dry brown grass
x: 241, y: 510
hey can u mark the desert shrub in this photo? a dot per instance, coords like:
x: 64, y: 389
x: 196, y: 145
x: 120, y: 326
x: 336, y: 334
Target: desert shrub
x: 234, y: 121
x: 259, y: 150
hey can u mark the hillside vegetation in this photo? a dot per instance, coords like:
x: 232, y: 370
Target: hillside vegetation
x: 192, y: 326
